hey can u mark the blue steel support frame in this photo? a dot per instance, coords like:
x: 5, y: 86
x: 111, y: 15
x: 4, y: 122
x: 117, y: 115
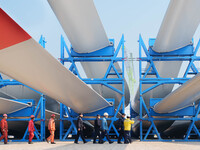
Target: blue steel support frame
x: 193, y: 113
x: 40, y: 108
x: 103, y: 81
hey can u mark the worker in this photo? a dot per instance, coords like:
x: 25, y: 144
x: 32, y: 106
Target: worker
x: 4, y: 129
x: 127, y: 129
x: 80, y: 127
x: 97, y: 128
x: 121, y: 128
x: 51, y: 128
x: 104, y: 127
x: 31, y: 129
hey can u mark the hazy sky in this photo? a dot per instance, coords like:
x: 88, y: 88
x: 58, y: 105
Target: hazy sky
x: 130, y: 17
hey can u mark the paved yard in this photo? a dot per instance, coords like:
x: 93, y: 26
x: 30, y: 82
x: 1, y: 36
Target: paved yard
x: 137, y: 145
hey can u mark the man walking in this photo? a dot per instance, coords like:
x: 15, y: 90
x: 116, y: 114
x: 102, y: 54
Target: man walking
x: 80, y: 128
x: 51, y: 128
x: 31, y: 129
x: 127, y: 129
x: 121, y: 128
x: 105, y: 129
x: 4, y: 129
x: 97, y: 127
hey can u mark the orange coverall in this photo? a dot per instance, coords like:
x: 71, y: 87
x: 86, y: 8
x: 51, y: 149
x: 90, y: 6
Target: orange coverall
x: 51, y: 128
x: 4, y: 130
x: 31, y: 130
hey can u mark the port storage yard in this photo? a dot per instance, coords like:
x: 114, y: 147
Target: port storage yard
x: 126, y: 72
x: 90, y: 146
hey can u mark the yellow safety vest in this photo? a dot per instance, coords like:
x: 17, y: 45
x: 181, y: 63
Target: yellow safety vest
x: 127, y: 124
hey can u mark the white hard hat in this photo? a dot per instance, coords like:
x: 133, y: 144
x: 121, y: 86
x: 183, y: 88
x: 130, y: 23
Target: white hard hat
x: 105, y: 114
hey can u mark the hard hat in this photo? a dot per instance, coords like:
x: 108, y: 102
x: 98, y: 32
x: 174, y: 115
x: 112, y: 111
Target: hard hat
x: 53, y: 115
x: 105, y: 114
x: 4, y: 115
x: 32, y: 116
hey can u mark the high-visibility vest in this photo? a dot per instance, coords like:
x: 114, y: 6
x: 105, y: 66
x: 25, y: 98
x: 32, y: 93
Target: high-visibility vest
x: 127, y: 124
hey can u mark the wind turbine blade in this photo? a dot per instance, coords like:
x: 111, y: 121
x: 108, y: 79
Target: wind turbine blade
x: 81, y: 23
x: 23, y: 59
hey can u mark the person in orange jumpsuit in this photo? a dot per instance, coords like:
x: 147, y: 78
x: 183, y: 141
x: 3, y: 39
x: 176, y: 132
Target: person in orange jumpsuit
x: 31, y: 129
x: 51, y: 128
x: 4, y: 129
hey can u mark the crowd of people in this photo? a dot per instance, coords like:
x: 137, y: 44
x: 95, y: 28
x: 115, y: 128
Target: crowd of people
x: 100, y: 129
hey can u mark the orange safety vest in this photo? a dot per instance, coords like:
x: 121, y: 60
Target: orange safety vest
x: 51, y: 125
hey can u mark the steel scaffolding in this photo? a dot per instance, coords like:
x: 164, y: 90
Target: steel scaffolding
x: 108, y: 54
x: 188, y: 54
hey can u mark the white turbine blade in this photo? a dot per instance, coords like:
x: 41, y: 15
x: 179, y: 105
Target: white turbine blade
x: 9, y: 106
x: 81, y: 24
x: 182, y: 97
x: 178, y: 26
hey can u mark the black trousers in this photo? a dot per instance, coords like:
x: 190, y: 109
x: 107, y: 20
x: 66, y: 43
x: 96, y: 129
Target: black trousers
x: 79, y: 133
x: 121, y: 134
x: 127, y: 136
x: 105, y: 133
x: 97, y: 133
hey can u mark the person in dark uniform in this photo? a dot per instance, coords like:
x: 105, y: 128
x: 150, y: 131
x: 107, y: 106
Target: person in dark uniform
x: 97, y: 127
x: 80, y: 128
x: 121, y: 128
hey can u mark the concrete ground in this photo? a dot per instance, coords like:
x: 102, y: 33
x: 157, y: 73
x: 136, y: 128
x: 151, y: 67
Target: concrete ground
x: 136, y: 145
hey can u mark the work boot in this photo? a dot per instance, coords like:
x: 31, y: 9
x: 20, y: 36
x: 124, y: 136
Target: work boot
x: 102, y: 142
x: 47, y: 140
x: 111, y: 142
x: 29, y: 142
x: 53, y: 143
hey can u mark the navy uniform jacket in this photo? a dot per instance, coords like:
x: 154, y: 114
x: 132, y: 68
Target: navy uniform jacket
x: 97, y: 124
x: 121, y: 123
x: 80, y: 123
